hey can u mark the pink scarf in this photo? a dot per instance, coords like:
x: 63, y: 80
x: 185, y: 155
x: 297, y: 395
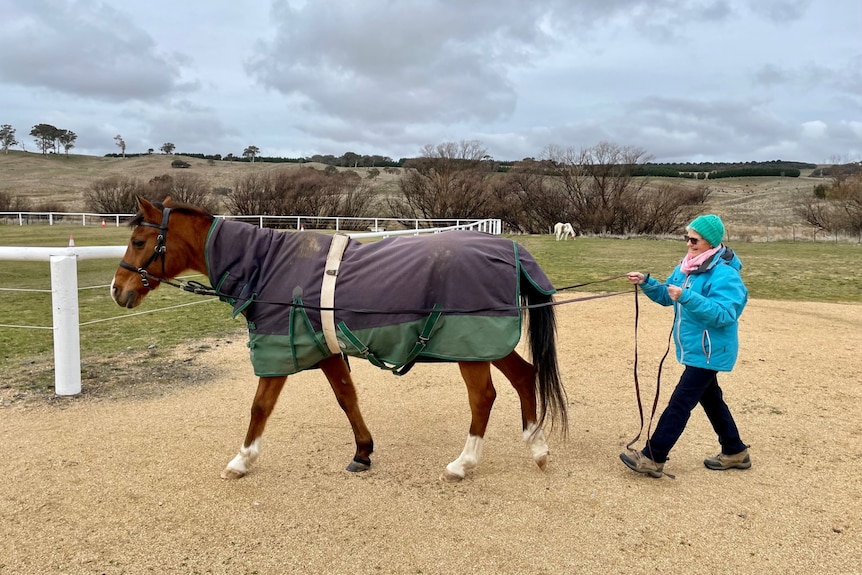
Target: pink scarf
x: 689, y: 264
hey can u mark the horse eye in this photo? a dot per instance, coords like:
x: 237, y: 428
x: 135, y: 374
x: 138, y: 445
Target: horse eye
x: 138, y: 244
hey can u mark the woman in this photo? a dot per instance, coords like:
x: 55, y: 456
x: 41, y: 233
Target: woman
x: 708, y: 296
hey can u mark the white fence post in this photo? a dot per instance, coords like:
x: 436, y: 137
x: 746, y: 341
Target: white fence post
x: 67, y: 339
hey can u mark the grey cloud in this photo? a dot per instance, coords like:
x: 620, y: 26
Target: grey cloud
x: 772, y: 75
x: 86, y: 49
x: 442, y: 62
x: 189, y: 126
x: 780, y: 10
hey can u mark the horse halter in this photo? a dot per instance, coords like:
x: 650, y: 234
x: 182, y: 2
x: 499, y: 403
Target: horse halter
x: 158, y: 251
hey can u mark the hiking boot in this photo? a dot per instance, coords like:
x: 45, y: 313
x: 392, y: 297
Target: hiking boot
x: 724, y: 461
x: 637, y: 461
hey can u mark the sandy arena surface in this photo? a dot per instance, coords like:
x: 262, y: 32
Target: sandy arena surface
x: 131, y: 484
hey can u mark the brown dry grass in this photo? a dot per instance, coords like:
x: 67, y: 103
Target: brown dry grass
x: 751, y: 207
x: 63, y: 179
x: 105, y: 484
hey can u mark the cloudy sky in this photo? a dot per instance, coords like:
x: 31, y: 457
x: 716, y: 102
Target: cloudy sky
x: 700, y: 80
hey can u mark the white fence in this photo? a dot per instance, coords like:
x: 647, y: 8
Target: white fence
x: 64, y: 292
x: 338, y: 223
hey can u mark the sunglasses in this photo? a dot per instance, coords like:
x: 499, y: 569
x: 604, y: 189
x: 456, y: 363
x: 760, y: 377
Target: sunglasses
x: 691, y: 240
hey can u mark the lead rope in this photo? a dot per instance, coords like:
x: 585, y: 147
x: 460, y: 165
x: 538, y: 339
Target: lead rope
x: 638, y: 388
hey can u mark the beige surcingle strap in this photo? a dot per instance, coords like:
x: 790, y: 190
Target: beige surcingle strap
x: 327, y: 290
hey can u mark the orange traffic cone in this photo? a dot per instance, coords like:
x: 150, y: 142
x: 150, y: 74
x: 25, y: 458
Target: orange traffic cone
x: 71, y: 241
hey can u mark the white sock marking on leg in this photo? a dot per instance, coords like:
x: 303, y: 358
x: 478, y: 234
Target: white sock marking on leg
x: 535, y: 439
x: 245, y: 457
x: 469, y: 458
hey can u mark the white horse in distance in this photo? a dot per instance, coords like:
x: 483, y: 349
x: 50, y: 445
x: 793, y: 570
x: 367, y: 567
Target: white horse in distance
x: 563, y: 230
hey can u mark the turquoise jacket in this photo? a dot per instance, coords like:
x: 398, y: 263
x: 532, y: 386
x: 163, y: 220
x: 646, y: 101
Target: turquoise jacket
x: 706, y: 315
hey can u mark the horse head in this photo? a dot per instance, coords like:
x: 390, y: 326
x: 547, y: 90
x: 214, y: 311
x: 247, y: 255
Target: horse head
x: 167, y: 239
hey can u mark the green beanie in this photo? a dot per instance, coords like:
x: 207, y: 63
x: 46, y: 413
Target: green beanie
x: 710, y: 227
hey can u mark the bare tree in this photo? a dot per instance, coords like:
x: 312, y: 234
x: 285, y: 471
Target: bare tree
x: 113, y: 195
x: 598, y: 183
x: 67, y: 139
x: 525, y: 202
x: 182, y: 188
x: 9, y: 203
x: 7, y: 137
x: 305, y: 192
x: 840, y: 208
x: 121, y: 143
x: 450, y: 180
x: 251, y: 152
x: 252, y: 194
x: 664, y: 208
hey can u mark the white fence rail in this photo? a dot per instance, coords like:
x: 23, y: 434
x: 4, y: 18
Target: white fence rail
x: 338, y: 223
x: 64, y: 292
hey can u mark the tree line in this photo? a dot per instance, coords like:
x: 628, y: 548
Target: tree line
x: 595, y: 189
x: 48, y: 138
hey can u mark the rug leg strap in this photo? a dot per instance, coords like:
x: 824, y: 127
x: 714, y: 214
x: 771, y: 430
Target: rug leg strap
x: 418, y: 347
x: 327, y: 290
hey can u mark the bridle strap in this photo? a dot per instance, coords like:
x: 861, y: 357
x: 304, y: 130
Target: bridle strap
x: 158, y: 251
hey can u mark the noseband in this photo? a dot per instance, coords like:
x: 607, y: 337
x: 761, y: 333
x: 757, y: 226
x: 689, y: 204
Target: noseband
x: 158, y: 251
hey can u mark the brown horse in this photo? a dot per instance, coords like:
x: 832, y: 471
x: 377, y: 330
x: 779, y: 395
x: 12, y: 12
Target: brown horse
x: 448, y: 298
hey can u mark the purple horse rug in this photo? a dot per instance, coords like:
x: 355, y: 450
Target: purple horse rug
x: 443, y: 297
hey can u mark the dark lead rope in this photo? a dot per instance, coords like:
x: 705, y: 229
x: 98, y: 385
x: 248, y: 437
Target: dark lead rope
x: 202, y: 289
x: 657, y: 385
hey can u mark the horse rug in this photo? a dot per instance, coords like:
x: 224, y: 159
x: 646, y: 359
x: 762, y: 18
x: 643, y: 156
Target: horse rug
x: 443, y: 297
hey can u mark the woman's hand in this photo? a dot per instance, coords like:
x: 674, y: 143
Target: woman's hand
x: 674, y: 292
x: 636, y: 278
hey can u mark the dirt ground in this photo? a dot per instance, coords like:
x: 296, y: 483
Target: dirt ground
x: 130, y: 484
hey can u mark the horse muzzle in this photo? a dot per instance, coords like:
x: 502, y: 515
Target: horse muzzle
x: 125, y: 298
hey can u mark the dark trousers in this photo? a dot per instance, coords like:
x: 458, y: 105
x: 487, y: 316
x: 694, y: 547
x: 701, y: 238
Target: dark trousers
x: 696, y: 385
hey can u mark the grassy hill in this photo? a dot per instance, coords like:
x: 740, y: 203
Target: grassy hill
x: 748, y: 205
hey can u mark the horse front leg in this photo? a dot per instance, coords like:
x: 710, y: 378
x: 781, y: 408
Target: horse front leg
x: 522, y: 376
x: 481, y: 393
x: 338, y: 374
x: 268, y: 390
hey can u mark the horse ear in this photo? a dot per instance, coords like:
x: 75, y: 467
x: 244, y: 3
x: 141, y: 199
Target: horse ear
x: 149, y: 211
x: 169, y: 202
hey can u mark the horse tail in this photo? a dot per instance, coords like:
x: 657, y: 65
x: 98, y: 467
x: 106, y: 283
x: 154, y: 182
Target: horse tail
x: 542, y: 325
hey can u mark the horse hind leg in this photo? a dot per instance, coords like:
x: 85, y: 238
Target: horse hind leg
x: 521, y: 375
x: 338, y: 374
x: 481, y: 394
x: 268, y: 390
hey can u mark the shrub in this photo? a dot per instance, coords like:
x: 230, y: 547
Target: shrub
x: 113, y: 195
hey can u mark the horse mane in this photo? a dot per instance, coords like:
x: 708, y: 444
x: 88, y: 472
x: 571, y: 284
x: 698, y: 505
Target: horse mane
x: 189, y: 209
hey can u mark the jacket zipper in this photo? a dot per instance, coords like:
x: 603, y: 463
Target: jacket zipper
x: 678, y: 311
x: 706, y: 345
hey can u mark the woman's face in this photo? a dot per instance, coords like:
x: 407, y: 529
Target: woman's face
x: 696, y: 244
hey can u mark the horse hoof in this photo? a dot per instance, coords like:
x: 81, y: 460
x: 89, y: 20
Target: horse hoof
x: 450, y: 477
x: 358, y: 465
x: 542, y: 461
x: 230, y: 473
